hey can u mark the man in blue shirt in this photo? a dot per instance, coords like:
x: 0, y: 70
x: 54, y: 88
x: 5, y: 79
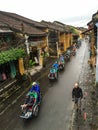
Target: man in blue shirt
x: 55, y: 65
x: 35, y: 87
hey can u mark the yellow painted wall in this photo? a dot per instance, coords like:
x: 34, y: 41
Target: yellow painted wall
x: 66, y: 40
x: 62, y: 40
x: 80, y: 35
x: 69, y: 40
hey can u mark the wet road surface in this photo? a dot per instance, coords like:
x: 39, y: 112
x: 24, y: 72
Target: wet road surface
x: 57, y: 105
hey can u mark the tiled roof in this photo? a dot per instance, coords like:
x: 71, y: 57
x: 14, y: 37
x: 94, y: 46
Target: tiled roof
x: 19, y: 25
x: 3, y: 25
x: 59, y: 23
x: 4, y: 28
x: 95, y: 14
x: 53, y: 26
x: 24, y: 19
x: 66, y: 27
x: 82, y: 29
x: 90, y: 22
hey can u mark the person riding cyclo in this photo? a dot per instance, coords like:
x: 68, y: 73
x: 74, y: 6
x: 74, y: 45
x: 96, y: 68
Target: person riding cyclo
x: 31, y: 99
x: 36, y: 87
x: 52, y: 70
x: 56, y: 66
x: 61, y: 59
x: 74, y: 47
x: 68, y: 52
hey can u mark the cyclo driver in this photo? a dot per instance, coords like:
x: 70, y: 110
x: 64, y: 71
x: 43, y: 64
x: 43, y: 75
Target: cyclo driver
x: 31, y: 100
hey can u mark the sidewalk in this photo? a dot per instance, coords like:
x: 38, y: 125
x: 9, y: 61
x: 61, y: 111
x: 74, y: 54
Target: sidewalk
x: 89, y: 102
x: 34, y: 70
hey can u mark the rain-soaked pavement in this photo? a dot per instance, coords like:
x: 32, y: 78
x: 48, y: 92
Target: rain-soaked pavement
x: 57, y: 106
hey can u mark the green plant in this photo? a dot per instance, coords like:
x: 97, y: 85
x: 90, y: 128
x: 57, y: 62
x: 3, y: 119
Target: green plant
x: 31, y: 63
x: 12, y: 54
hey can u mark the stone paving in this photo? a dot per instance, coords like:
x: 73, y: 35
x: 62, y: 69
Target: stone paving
x: 88, y: 119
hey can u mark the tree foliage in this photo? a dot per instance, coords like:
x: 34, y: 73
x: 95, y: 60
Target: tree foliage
x: 74, y: 31
x: 12, y: 54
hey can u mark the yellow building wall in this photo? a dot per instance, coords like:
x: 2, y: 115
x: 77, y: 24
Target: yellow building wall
x: 69, y: 40
x: 62, y: 40
x: 80, y: 35
x: 66, y: 40
x: 41, y: 45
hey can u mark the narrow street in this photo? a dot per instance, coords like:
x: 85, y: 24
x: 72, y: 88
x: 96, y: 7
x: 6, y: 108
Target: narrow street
x: 57, y: 105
